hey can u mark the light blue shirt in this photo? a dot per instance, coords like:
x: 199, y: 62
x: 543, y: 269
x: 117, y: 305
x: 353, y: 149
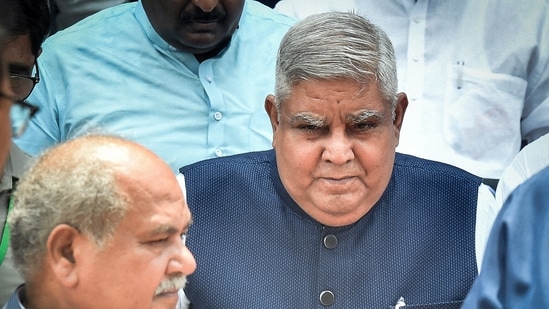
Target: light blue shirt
x: 112, y: 73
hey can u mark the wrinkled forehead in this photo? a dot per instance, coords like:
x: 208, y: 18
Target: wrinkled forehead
x: 336, y: 89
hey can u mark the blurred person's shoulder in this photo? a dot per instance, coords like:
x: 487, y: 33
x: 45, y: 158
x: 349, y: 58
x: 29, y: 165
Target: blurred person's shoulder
x: 116, y: 17
x: 257, y: 13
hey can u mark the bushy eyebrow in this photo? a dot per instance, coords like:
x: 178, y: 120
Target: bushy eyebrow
x: 306, y: 118
x: 168, y: 229
x: 368, y: 115
x: 164, y: 229
x: 18, y: 67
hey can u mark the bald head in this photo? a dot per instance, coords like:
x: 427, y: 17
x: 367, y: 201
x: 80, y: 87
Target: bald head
x: 88, y: 183
x: 118, y: 155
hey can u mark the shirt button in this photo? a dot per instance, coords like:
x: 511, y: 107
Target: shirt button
x: 171, y: 48
x: 326, y: 298
x: 330, y: 241
x: 218, y: 116
x: 417, y: 20
x: 209, y: 79
x: 219, y: 152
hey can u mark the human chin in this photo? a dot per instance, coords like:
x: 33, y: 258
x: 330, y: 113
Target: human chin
x: 200, y: 42
x: 341, y: 204
x: 205, y: 27
x: 338, y: 186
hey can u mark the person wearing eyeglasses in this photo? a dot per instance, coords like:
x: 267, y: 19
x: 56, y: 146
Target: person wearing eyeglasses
x: 8, y: 276
x: 26, y: 24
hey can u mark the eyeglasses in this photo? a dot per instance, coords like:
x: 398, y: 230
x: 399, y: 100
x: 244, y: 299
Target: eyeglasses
x: 22, y: 85
x: 21, y: 113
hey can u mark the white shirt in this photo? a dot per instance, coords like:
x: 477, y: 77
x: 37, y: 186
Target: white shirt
x: 530, y: 160
x: 476, y: 74
x: 487, y: 210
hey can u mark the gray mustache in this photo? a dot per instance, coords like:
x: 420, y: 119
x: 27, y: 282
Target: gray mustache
x: 171, y: 284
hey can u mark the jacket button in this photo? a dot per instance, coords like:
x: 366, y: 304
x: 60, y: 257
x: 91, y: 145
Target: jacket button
x: 330, y: 241
x: 326, y: 298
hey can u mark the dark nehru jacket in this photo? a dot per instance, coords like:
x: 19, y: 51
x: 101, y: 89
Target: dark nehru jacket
x: 255, y: 248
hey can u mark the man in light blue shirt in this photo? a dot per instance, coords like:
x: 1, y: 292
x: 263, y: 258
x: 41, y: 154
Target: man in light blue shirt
x: 187, y: 80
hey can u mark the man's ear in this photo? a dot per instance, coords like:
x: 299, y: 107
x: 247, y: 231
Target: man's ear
x: 270, y: 108
x: 400, y: 109
x: 60, y: 252
x: 271, y: 111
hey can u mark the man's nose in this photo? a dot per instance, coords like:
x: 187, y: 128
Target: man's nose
x: 338, y: 149
x: 183, y: 262
x: 206, y: 5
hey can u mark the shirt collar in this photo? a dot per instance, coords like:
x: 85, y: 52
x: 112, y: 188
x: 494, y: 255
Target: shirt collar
x: 15, y: 301
x: 153, y: 36
x: 14, y: 167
